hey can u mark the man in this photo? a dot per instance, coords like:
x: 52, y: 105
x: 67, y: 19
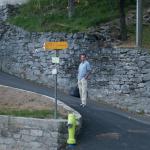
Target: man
x: 84, y: 71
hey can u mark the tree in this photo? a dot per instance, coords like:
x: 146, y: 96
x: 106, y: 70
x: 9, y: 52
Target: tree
x: 123, y: 26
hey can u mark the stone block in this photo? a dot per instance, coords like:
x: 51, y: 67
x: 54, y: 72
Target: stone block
x: 125, y: 89
x: 36, y: 132
x: 28, y: 138
x: 141, y: 85
x: 3, y: 147
x: 146, y: 77
x: 145, y: 71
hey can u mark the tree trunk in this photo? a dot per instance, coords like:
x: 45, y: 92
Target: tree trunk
x: 71, y: 8
x: 123, y: 27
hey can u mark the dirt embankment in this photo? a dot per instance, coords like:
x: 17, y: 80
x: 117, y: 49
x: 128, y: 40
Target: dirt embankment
x: 11, y: 98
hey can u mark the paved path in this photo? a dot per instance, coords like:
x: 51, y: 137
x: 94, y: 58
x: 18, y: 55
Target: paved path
x: 103, y: 128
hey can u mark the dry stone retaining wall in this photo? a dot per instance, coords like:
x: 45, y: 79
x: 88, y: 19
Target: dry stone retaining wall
x: 12, y: 2
x: 120, y: 76
x: 18, y: 133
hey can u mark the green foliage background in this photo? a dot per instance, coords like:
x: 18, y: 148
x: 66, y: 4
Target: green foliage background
x: 52, y: 15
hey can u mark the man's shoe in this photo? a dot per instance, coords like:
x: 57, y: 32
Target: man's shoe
x: 81, y: 105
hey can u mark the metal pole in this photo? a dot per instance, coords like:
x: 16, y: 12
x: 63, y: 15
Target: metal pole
x: 139, y: 18
x: 56, y: 96
x: 71, y: 8
x: 1, y: 57
x: 57, y: 54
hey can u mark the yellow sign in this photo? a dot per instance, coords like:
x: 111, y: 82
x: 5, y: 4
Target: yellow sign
x: 55, y: 45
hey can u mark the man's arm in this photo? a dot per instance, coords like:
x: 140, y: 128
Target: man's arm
x: 89, y: 70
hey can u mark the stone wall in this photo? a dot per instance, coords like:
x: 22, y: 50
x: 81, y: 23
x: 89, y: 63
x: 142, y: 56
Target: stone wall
x: 12, y: 2
x: 18, y: 133
x: 120, y: 76
x: 123, y: 79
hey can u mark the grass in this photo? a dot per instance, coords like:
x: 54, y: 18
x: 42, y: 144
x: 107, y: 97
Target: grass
x: 30, y: 113
x: 51, y: 15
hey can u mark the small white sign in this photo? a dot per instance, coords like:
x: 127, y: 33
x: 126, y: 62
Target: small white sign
x: 54, y: 71
x: 55, y: 60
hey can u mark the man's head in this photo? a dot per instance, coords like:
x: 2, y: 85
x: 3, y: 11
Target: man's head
x: 82, y: 57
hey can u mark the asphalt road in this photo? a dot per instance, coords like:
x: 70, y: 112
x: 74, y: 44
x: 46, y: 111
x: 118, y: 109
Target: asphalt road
x: 104, y: 128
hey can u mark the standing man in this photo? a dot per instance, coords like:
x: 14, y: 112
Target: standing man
x: 84, y: 71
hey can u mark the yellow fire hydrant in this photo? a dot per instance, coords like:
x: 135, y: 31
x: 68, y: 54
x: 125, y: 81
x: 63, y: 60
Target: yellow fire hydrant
x: 71, y: 129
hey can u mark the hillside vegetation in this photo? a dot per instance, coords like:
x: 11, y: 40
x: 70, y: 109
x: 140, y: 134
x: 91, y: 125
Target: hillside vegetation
x: 52, y: 15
